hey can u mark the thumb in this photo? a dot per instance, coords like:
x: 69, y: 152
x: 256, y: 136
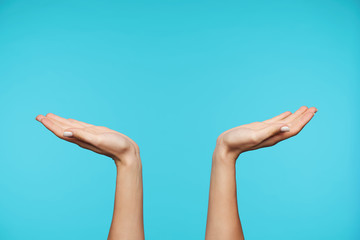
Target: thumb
x: 80, y: 134
x: 273, y: 130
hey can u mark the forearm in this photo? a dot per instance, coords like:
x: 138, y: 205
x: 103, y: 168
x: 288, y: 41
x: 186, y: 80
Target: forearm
x: 223, y: 220
x: 127, y: 222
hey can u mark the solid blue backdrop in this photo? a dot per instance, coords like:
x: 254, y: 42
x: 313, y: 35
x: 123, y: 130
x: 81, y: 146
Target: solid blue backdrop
x: 173, y: 75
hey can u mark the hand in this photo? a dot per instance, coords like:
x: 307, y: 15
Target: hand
x: 101, y: 140
x: 233, y: 142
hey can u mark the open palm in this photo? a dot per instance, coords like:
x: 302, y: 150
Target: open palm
x: 99, y: 139
x: 267, y: 133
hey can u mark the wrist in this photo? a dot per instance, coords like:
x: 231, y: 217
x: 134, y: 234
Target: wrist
x: 223, y: 154
x: 128, y: 161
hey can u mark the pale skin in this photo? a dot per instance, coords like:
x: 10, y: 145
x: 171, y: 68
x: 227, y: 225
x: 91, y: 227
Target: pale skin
x: 223, y: 222
x: 127, y: 222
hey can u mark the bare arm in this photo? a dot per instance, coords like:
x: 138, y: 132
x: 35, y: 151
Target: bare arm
x: 223, y: 222
x: 127, y: 222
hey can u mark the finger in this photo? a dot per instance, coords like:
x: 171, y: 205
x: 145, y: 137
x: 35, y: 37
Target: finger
x: 312, y: 110
x: 301, y: 122
x: 80, y: 123
x: 279, y: 117
x: 296, y: 114
x: 82, y: 135
x: 62, y: 120
x: 39, y: 117
x: 271, y: 130
x: 67, y: 126
x: 59, y: 132
x: 52, y: 126
x: 63, y: 125
x: 294, y: 130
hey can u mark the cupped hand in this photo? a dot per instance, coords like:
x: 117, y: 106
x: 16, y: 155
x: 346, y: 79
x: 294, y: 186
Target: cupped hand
x: 263, y: 134
x: 99, y: 139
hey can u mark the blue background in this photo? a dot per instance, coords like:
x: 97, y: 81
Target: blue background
x: 173, y: 75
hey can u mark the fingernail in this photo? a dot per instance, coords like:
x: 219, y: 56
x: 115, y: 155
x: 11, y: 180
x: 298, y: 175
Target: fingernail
x: 285, y: 129
x: 68, y: 134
